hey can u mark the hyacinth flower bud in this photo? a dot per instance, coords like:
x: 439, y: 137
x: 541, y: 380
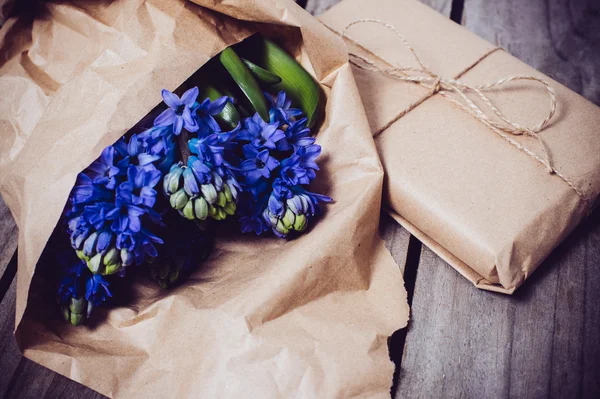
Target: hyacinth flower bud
x: 111, y: 261
x: 227, y: 192
x: 89, y: 246
x: 82, y: 256
x: 201, y: 208
x: 297, y: 208
x: 111, y: 257
x: 210, y: 193
x: 230, y: 208
x: 76, y: 311
x: 165, y: 274
x: 188, y: 210
x: 107, y: 262
x: 189, y: 183
x: 290, y: 209
x: 172, y: 180
x: 126, y: 257
x: 300, y: 223
x: 204, y: 187
x: 95, y: 263
x: 179, y: 257
x: 179, y: 199
x: 281, y: 228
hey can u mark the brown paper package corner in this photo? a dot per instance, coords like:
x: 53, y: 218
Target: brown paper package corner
x: 262, y: 317
x: 489, y: 210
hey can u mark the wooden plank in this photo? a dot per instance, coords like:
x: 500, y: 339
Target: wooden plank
x: 8, y: 248
x: 19, y: 377
x: 29, y: 381
x: 8, y: 237
x: 558, y: 37
x: 10, y: 357
x: 64, y: 388
x: 541, y: 342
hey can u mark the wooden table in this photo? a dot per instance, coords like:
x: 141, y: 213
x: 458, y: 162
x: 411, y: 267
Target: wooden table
x: 544, y: 341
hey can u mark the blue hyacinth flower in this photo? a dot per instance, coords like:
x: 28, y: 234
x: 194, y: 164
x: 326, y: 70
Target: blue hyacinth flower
x: 125, y: 215
x: 86, y: 192
x: 308, y: 156
x: 133, y: 152
x: 72, y: 282
x: 293, y: 173
x: 95, y: 214
x: 79, y: 290
x: 204, y: 113
x: 180, y: 113
x: 257, y: 164
x: 103, y: 171
x: 280, y: 110
x: 262, y: 134
x: 208, y: 149
x: 145, y: 245
x: 96, y: 290
x: 139, y: 187
x: 297, y: 134
x: 159, y: 142
x: 290, y: 208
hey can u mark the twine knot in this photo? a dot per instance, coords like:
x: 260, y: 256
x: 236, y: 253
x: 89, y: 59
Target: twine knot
x: 436, y: 86
x: 458, y: 93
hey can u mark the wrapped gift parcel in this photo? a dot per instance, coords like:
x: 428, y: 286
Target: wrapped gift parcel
x: 492, y: 197
x: 262, y: 316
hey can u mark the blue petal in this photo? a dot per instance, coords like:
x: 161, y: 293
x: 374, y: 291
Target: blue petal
x: 188, y: 121
x: 146, y: 159
x: 276, y: 206
x: 189, y: 183
x: 171, y: 99
x: 166, y: 118
x: 104, y: 240
x: 148, y: 196
x: 217, y: 106
x: 177, y: 125
x: 189, y: 97
x: 135, y: 224
x: 280, y: 102
x: 134, y: 147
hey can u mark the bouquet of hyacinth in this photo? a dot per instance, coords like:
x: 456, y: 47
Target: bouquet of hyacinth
x: 236, y: 146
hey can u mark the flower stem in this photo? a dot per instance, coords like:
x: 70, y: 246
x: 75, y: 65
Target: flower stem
x: 184, y: 150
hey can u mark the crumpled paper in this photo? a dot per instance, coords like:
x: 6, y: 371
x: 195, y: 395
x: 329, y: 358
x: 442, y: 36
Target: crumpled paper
x: 263, y: 317
x: 491, y: 211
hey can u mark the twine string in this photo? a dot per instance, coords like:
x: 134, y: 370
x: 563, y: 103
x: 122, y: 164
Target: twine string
x: 446, y: 87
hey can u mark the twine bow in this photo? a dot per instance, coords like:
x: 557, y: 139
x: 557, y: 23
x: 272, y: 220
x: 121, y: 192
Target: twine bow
x: 445, y: 86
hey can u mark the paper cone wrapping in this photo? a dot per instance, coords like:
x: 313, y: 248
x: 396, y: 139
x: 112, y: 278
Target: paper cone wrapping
x: 263, y: 317
x: 490, y: 210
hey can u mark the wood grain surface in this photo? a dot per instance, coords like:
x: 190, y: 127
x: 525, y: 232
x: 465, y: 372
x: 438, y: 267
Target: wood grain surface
x: 560, y: 38
x: 461, y: 342
x: 8, y: 247
x: 541, y: 342
x: 545, y: 340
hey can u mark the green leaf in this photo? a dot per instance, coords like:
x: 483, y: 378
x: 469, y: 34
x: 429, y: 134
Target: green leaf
x: 230, y: 115
x: 295, y: 80
x: 262, y: 75
x: 245, y: 80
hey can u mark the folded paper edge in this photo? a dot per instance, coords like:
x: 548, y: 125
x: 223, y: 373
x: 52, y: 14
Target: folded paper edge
x: 476, y: 279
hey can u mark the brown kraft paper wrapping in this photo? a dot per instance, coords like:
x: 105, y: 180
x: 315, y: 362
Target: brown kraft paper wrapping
x: 491, y: 211
x: 263, y: 317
